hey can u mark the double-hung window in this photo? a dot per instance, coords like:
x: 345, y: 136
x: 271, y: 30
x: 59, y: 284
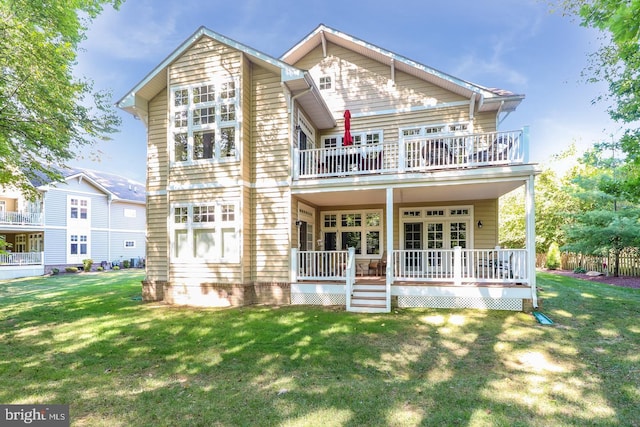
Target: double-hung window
x: 205, y: 122
x: 206, y: 231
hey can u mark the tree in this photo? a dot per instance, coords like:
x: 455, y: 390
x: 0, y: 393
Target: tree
x: 553, y: 207
x: 617, y: 63
x: 608, y: 221
x: 45, y: 113
x: 553, y: 257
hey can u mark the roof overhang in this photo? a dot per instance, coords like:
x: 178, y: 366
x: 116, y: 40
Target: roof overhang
x: 136, y: 100
x: 485, y: 97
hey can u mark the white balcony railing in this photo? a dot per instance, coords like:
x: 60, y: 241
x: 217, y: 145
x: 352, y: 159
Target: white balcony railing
x: 21, y: 218
x: 21, y: 258
x: 414, y: 154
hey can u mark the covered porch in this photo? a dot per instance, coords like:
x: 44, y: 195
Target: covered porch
x: 21, y: 264
x: 456, y: 278
x: 437, y: 242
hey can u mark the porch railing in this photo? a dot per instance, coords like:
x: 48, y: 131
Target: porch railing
x: 21, y: 218
x: 456, y: 266
x: 21, y: 258
x: 322, y: 265
x: 414, y: 154
x: 461, y: 265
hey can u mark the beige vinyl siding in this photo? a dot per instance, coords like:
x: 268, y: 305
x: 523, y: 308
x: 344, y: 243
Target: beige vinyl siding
x: 205, y: 60
x: 485, y: 122
x: 156, y: 206
x: 157, y: 242
x: 157, y: 150
x: 245, y: 165
x: 487, y: 236
x: 271, y: 199
x: 375, y: 90
x: 390, y: 124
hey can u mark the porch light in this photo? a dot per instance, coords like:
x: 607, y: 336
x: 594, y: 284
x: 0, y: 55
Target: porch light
x: 479, y: 223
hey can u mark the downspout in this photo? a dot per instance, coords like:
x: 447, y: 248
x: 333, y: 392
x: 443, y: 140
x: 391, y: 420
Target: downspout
x: 109, y: 200
x: 531, y: 238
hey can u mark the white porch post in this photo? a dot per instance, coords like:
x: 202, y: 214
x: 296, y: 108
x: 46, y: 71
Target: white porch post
x: 296, y: 163
x: 351, y: 275
x: 530, y: 210
x: 525, y: 144
x: 389, y: 243
x: 294, y: 265
x: 457, y: 265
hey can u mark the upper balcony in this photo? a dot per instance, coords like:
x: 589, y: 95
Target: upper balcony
x: 20, y: 219
x: 415, y: 154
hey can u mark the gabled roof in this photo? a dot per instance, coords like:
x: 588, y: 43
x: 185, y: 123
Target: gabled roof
x: 116, y: 186
x: 297, y: 81
x: 487, y: 99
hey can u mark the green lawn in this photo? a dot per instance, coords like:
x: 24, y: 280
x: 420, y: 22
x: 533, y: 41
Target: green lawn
x: 87, y: 340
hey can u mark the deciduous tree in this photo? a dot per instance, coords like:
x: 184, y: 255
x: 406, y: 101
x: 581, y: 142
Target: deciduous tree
x: 45, y: 112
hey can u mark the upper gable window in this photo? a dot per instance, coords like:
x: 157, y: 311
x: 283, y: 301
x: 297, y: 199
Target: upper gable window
x: 325, y: 83
x: 205, y: 124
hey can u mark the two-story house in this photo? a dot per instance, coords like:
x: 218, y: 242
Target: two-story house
x: 340, y: 173
x: 91, y: 215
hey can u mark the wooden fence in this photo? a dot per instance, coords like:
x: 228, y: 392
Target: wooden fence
x: 629, y: 262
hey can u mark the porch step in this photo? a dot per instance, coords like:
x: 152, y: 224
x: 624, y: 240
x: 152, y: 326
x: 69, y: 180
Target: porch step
x: 368, y: 309
x: 369, y: 298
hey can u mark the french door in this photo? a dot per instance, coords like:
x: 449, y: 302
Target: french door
x: 434, y: 236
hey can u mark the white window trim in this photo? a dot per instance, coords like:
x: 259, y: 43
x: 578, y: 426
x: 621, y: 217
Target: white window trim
x: 338, y: 229
x: 362, y: 134
x: 218, y: 225
x: 218, y: 124
x: 77, y: 258
x: 78, y: 221
x: 333, y: 82
x: 422, y: 130
x: 445, y: 218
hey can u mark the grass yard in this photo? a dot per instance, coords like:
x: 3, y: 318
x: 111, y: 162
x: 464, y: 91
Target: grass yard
x: 87, y: 341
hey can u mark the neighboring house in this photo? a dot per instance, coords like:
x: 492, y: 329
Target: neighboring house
x: 91, y: 215
x: 339, y: 174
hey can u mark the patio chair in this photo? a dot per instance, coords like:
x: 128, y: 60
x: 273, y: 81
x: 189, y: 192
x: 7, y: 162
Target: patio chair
x: 504, y: 268
x: 437, y: 153
x: 382, y: 266
x: 497, y: 151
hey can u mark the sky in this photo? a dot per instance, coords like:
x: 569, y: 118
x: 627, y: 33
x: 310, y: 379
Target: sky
x: 518, y: 45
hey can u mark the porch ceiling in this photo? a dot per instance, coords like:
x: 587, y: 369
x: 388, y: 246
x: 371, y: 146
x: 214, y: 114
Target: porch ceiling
x: 438, y: 193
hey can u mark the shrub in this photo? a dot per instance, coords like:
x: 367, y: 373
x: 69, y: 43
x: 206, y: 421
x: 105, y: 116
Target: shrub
x: 71, y: 269
x: 99, y: 268
x: 87, y: 263
x: 55, y: 271
x: 125, y: 263
x: 579, y: 270
x: 553, y: 257
x: 115, y: 267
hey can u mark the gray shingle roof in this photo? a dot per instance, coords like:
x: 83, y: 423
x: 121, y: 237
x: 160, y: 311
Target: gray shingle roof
x: 121, y: 187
